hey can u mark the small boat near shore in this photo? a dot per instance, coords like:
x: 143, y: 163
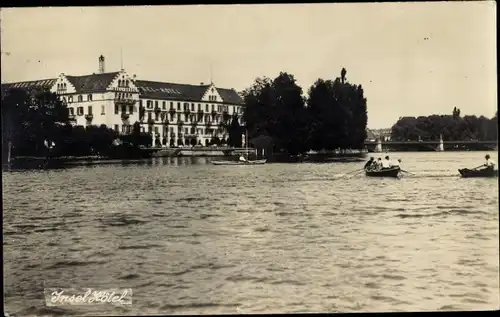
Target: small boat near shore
x: 386, y: 172
x: 468, y: 173
x: 256, y: 162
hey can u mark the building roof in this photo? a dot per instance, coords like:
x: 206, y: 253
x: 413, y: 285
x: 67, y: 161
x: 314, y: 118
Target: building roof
x: 92, y: 83
x: 43, y: 83
x: 230, y: 96
x: 163, y: 90
x: 147, y: 89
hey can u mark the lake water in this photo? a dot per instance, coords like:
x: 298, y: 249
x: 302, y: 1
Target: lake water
x: 193, y: 238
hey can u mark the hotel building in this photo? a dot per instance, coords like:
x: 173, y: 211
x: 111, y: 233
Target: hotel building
x: 173, y: 114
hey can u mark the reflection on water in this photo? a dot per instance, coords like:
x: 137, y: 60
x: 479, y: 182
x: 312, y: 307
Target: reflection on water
x: 191, y: 237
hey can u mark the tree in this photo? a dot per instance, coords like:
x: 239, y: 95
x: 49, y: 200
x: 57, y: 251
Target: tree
x: 276, y: 109
x: 451, y: 127
x: 234, y: 131
x: 32, y: 117
x: 338, y: 114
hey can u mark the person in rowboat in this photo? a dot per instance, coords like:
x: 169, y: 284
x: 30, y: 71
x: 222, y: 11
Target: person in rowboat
x: 378, y: 164
x: 242, y: 159
x: 386, y: 163
x: 396, y: 164
x: 370, y: 162
x: 488, y: 165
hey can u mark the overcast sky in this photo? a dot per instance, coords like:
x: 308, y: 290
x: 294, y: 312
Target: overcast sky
x: 411, y: 58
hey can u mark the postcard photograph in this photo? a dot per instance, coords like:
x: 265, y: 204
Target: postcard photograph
x: 250, y: 159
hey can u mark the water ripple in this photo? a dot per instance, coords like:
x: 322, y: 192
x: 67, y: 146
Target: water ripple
x: 194, y: 238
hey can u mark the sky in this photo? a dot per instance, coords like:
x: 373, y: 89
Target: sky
x: 412, y: 59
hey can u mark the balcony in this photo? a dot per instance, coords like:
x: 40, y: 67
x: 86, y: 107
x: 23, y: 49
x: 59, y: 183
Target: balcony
x: 125, y: 116
x: 125, y: 101
x: 72, y: 117
x: 89, y: 117
x: 151, y: 121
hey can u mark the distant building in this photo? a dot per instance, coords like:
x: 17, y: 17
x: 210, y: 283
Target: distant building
x: 374, y: 134
x: 175, y: 112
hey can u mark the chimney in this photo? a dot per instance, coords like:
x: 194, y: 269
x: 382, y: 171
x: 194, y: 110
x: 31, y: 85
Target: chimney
x: 101, y: 64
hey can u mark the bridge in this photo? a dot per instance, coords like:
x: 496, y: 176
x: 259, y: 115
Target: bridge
x: 436, y: 145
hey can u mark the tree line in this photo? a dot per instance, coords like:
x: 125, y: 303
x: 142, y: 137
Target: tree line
x: 333, y: 116
x: 453, y: 127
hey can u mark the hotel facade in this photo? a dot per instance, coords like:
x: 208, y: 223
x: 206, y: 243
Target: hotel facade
x: 173, y: 114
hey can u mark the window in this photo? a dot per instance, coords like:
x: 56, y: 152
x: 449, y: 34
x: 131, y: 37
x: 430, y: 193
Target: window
x: 171, y: 117
x: 178, y: 106
x: 199, y: 107
x: 116, y: 109
x: 71, y: 111
x: 192, y: 107
x: 149, y: 129
x: 171, y: 130
x: 89, y: 97
x: 206, y: 108
x: 156, y: 103
x: 171, y: 105
x: 124, y: 128
x: 70, y: 99
x: 213, y: 107
x: 126, y: 83
x: 149, y: 115
x: 103, y: 108
x: 178, y: 117
x: 80, y: 98
x: 140, y: 103
x: 64, y: 99
x: 117, y: 128
x: 124, y: 109
x: 156, y: 130
x: 156, y: 116
x: 90, y: 109
x: 186, y: 130
x: 131, y: 109
x: 79, y: 111
x: 164, y: 105
x: 149, y: 104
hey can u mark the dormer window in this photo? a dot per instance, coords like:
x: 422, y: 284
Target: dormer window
x: 126, y: 83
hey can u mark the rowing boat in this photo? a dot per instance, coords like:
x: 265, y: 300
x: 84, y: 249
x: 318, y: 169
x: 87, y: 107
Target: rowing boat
x: 256, y: 162
x: 386, y: 172
x: 467, y: 173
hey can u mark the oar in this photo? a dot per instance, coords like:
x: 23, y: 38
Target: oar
x: 340, y: 175
x: 402, y: 170
x: 359, y: 172
x: 478, y: 167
